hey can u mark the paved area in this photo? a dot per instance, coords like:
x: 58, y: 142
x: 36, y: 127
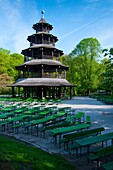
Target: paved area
x: 101, y: 116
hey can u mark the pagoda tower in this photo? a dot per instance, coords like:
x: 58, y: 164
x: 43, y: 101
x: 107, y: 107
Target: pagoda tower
x: 42, y: 75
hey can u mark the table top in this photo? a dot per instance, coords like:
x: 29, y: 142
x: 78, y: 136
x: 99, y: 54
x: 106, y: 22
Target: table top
x: 45, y: 112
x: 59, y: 114
x: 2, y: 116
x: 69, y: 129
x: 7, y: 109
x: 31, y: 111
x: 108, y: 166
x: 18, y: 110
x: 95, y: 139
x: 43, y: 120
x: 79, y: 115
x: 16, y: 118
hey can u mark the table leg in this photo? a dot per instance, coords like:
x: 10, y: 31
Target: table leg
x: 88, y: 148
x: 55, y: 139
x: 59, y: 141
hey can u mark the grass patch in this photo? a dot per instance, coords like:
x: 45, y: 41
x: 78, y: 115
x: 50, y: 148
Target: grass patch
x: 16, y: 155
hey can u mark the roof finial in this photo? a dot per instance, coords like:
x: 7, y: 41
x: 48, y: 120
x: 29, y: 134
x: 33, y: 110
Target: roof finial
x: 43, y: 12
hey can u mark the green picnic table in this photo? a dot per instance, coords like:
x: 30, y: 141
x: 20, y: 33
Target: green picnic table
x: 17, y: 111
x: 15, y: 119
x: 11, y: 120
x: 41, y: 121
x: 64, y: 108
x: 38, y: 108
x: 64, y: 130
x: 52, y: 108
x: 78, y: 116
x: 3, y: 124
x: 5, y: 115
x: 7, y: 109
x: 87, y: 142
x: 31, y: 111
x: 45, y: 112
x: 108, y: 166
x: 59, y: 114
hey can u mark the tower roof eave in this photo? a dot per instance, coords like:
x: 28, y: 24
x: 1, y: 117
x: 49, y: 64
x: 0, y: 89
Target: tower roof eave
x: 40, y: 33
x: 41, y: 22
x: 41, y: 82
x: 44, y: 62
x: 38, y: 46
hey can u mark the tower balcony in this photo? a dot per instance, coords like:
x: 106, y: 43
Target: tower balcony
x: 40, y: 75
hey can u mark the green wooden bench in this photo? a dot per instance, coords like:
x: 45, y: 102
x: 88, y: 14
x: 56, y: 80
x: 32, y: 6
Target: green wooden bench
x: 78, y: 116
x: 100, y: 153
x: 74, y: 136
x: 88, y: 119
x: 58, y: 132
x: 108, y: 165
x: 56, y: 125
x: 21, y: 124
x: 3, y: 124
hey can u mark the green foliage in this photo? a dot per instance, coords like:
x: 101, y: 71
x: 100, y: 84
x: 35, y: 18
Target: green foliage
x: 7, y: 69
x: 4, y: 81
x: 107, y: 81
x: 90, y: 48
x: 23, y: 156
x: 9, y: 61
x: 85, y: 70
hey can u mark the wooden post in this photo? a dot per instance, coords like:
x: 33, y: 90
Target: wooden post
x: 13, y: 94
x: 56, y: 73
x: 18, y: 91
x: 42, y: 39
x: 24, y: 92
x: 52, y: 54
x: 64, y: 91
x: 65, y: 74
x: 49, y: 40
x: 42, y: 93
x: 49, y: 91
x: 42, y: 71
x: 32, y: 53
x: 59, y: 92
x: 53, y: 92
x: 70, y: 92
x: 32, y: 91
x: 42, y: 52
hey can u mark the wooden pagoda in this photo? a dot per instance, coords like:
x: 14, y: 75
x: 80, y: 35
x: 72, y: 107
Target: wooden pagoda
x: 42, y: 75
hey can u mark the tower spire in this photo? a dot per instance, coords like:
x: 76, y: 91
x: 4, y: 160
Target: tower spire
x: 43, y: 12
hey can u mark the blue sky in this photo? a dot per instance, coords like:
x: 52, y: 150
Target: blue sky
x: 72, y: 20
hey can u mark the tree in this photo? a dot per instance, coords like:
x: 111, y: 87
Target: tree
x: 9, y: 61
x: 7, y: 68
x: 84, y: 66
x: 4, y: 81
x: 108, y: 74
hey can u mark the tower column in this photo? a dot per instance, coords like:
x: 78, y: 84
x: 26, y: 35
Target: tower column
x: 42, y: 95
x: 42, y: 52
x: 24, y: 92
x: 70, y: 92
x: 65, y: 74
x: 13, y: 94
x: 42, y: 71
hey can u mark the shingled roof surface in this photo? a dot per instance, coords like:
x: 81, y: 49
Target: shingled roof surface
x: 42, y: 20
x: 41, y: 82
x: 44, y: 62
